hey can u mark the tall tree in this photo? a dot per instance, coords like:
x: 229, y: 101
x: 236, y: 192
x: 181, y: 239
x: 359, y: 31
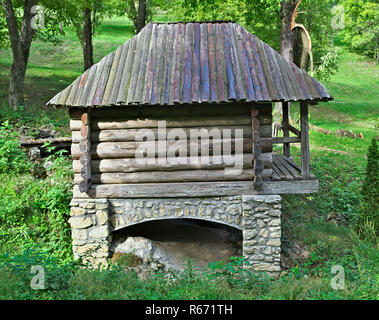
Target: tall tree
x: 85, y: 18
x: 21, y: 40
x: 20, y: 18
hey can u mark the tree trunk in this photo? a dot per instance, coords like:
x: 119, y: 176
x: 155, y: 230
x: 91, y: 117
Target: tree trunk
x: 16, y: 84
x: 141, y: 18
x: 20, y: 44
x: 286, y: 45
x: 87, y: 39
x: 286, y: 48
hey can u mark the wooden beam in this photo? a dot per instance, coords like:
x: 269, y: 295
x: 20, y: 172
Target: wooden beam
x: 257, y: 150
x: 196, y: 189
x: 305, y: 156
x: 286, y: 133
x: 286, y: 140
x: 85, y: 152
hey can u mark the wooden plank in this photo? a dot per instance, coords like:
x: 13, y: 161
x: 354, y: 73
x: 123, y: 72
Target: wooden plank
x: 173, y: 176
x: 305, y: 155
x: 107, y: 150
x: 115, y: 135
x: 170, y: 164
x: 286, y: 140
x: 283, y: 169
x: 290, y: 168
x: 286, y: 133
x: 294, y: 130
x: 292, y: 187
x: 123, y: 123
x: 297, y: 167
x: 278, y: 171
x: 167, y: 190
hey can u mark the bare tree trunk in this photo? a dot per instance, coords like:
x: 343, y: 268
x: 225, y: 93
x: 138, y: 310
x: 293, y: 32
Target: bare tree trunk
x: 87, y: 39
x: 286, y: 45
x: 20, y: 44
x: 141, y: 18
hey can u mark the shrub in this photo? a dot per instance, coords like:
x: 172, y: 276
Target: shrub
x: 368, y: 220
x: 12, y: 158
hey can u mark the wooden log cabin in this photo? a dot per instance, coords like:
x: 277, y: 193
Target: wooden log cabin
x: 192, y: 76
x: 184, y: 110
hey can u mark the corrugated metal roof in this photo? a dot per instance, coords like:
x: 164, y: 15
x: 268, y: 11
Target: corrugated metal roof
x: 191, y: 63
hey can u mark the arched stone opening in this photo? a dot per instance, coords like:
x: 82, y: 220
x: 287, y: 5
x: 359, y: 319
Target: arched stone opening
x: 95, y: 221
x: 200, y: 241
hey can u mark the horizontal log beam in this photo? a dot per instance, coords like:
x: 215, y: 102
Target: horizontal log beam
x: 123, y: 135
x: 286, y: 140
x: 170, y: 122
x: 170, y: 164
x: 114, y: 150
x: 196, y: 189
x: 170, y: 176
x: 180, y: 110
x: 167, y: 190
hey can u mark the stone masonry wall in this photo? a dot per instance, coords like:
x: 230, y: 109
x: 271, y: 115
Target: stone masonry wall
x: 93, y: 220
x: 262, y: 232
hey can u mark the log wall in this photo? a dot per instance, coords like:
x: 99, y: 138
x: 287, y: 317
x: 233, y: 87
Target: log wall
x: 112, y: 134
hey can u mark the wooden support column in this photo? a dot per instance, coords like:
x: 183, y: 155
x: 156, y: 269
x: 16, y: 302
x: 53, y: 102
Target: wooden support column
x: 286, y: 132
x: 305, y: 156
x: 257, y: 150
x: 85, y: 150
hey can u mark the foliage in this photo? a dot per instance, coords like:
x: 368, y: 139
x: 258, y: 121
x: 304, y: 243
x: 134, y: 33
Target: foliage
x: 328, y: 65
x: 369, y: 215
x: 361, y: 26
x: 12, y: 158
x: 36, y: 211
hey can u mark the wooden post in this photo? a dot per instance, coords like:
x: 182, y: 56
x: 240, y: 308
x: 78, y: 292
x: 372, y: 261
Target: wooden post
x: 305, y: 156
x: 286, y: 132
x: 85, y: 149
x: 257, y: 150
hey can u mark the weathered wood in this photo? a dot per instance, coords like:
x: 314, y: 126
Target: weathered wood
x: 109, y: 150
x: 266, y: 144
x: 167, y: 190
x: 258, y: 183
x: 170, y: 164
x: 286, y: 173
x: 265, y: 119
x: 196, y: 189
x: 294, y: 130
x: 267, y: 159
x: 124, y: 135
x: 285, y: 140
x: 118, y: 112
x: 172, y: 122
x: 286, y: 133
x: 305, y: 156
x: 170, y: 176
x: 85, y: 154
x: 292, y: 187
x: 265, y: 131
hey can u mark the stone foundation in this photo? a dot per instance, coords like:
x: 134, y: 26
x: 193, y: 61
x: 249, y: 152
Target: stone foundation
x: 258, y: 216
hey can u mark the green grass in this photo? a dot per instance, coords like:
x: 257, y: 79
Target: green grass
x: 319, y: 222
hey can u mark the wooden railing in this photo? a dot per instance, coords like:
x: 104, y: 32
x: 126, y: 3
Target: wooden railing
x: 302, y: 136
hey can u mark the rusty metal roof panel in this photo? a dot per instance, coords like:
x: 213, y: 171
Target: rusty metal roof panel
x: 191, y: 63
